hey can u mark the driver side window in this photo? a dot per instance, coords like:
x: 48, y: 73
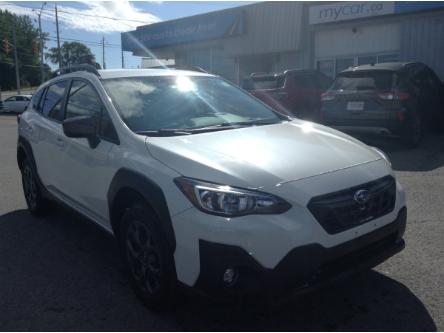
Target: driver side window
x: 83, y: 100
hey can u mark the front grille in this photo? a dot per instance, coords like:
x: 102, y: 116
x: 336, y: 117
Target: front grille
x: 339, y: 211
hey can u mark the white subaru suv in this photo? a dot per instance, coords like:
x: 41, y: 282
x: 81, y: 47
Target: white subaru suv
x: 205, y: 186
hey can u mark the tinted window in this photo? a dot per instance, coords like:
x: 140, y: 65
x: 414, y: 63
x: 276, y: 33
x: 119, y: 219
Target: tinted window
x: 36, y: 99
x: 420, y: 77
x: 372, y: 80
x: 52, y: 106
x: 152, y: 103
x: 107, y: 130
x: 42, y: 100
x: 432, y: 79
x: 11, y: 99
x: 82, y: 100
x: 304, y: 81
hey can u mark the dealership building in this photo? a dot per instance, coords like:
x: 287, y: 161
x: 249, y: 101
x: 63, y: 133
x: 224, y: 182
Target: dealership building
x: 275, y: 36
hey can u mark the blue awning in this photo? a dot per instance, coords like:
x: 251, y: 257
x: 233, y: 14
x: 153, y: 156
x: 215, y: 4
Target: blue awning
x: 187, y: 30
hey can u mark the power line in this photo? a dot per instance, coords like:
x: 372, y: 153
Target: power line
x: 105, y: 17
x: 86, y: 41
x: 89, y: 15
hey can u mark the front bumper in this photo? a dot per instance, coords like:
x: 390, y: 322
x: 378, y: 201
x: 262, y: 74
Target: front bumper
x: 302, y: 269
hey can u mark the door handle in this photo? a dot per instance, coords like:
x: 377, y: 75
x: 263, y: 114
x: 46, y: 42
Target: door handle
x: 60, y: 142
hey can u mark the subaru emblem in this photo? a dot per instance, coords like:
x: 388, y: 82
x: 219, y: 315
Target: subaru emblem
x: 361, y: 197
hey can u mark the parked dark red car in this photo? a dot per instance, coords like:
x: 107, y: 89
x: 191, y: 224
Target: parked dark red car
x: 294, y: 92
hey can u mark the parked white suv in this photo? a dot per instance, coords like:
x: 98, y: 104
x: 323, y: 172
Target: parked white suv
x: 204, y: 185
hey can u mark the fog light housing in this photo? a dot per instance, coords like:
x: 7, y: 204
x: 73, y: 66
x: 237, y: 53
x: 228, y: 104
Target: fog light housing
x: 230, y: 276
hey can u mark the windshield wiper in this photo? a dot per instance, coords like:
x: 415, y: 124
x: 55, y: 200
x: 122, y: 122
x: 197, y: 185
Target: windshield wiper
x: 165, y: 132
x: 232, y: 125
x: 216, y: 127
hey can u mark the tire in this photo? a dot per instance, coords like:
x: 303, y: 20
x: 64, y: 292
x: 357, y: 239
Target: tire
x: 147, y: 256
x: 38, y: 204
x: 414, y: 132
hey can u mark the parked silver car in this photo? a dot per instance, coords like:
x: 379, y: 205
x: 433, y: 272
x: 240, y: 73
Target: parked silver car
x: 16, y: 103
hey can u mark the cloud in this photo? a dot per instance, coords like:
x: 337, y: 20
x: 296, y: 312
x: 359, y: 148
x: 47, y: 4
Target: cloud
x: 96, y: 16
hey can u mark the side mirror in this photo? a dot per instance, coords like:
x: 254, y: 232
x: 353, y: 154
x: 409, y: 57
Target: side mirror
x: 82, y: 127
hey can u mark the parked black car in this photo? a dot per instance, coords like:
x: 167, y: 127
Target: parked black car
x: 389, y: 99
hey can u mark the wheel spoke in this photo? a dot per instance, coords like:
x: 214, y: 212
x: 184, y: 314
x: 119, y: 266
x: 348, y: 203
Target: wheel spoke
x: 144, y: 257
x: 29, y: 186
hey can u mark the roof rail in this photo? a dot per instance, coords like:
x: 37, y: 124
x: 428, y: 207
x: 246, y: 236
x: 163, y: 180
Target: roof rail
x: 182, y: 67
x: 77, y: 68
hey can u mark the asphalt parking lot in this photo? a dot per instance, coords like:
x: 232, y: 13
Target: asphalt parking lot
x: 63, y: 273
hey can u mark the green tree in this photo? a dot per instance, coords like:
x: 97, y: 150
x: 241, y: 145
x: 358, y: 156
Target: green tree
x: 27, y: 51
x: 72, y: 53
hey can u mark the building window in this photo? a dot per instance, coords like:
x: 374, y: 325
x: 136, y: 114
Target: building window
x: 343, y: 63
x: 388, y: 58
x: 326, y: 67
x: 200, y: 58
x: 366, y: 60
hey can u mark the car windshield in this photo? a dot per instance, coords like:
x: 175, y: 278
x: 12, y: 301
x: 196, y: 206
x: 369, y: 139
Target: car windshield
x: 187, y: 103
x: 371, y: 80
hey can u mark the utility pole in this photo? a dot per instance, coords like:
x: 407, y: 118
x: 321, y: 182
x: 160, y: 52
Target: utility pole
x: 42, y: 73
x: 123, y: 60
x: 58, y: 38
x: 17, y: 74
x: 103, y: 53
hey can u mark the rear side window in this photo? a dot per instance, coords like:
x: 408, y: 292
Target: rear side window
x: 374, y: 80
x: 52, y: 105
x: 304, y: 81
x: 35, y: 100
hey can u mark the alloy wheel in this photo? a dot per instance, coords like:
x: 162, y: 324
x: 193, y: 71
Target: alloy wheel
x: 30, y: 187
x: 143, y: 257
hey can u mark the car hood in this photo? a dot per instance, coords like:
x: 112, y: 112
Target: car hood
x: 261, y: 156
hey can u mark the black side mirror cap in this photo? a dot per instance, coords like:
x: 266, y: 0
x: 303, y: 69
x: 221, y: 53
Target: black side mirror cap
x: 82, y: 127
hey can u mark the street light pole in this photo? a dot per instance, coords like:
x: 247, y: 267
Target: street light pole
x: 58, y: 38
x: 103, y: 53
x: 17, y: 73
x: 42, y: 73
x: 123, y: 60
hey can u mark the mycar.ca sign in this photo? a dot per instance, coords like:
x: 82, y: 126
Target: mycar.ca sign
x: 341, y: 11
x: 186, y: 30
x: 349, y: 10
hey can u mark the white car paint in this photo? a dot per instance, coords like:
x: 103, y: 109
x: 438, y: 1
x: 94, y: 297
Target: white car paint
x: 16, y: 103
x: 295, y: 160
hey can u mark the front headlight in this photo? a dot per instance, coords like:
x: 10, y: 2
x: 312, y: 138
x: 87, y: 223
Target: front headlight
x: 382, y: 154
x: 228, y: 201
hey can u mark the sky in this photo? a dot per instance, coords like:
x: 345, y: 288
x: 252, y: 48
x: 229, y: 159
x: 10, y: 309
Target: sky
x: 91, y: 21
